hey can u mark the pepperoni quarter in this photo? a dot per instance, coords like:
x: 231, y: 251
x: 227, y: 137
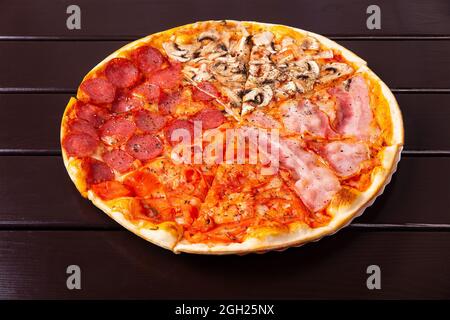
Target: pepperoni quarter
x: 149, y: 122
x: 79, y: 144
x: 168, y: 102
x: 149, y: 91
x: 180, y: 130
x: 117, y: 131
x: 121, y: 72
x: 91, y: 113
x: 126, y: 103
x: 118, y: 160
x: 97, y: 171
x: 148, y: 59
x: 98, y: 90
x: 205, y: 91
x: 168, y: 78
x: 210, y: 118
x: 144, y: 147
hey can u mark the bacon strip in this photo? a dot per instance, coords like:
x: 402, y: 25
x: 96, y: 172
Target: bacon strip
x: 315, y: 184
x: 304, y: 117
x: 263, y: 120
x: 345, y: 157
x: 354, y: 116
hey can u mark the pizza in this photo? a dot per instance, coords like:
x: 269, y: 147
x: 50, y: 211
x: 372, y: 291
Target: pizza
x: 227, y: 137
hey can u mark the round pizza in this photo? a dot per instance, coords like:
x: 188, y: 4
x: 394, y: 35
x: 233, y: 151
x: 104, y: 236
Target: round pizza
x: 224, y: 137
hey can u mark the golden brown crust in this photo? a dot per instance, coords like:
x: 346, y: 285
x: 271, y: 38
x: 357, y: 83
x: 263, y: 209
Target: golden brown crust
x: 343, y: 208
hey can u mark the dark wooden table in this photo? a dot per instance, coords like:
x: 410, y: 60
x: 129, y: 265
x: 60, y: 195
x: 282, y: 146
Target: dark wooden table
x: 46, y: 226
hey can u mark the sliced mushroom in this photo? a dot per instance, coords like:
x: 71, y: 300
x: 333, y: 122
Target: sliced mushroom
x: 286, y: 90
x: 246, y: 108
x: 259, y: 97
x: 310, y: 43
x: 303, y: 69
x: 241, y: 48
x: 263, y: 38
x: 333, y: 71
x: 198, y: 74
x: 282, y: 57
x: 221, y: 68
x: 235, y: 79
x: 233, y: 94
x: 325, y: 54
x: 212, y: 35
x: 211, y: 51
x: 263, y: 44
x: 313, y: 68
x: 263, y: 73
x: 175, y: 52
x: 289, y: 87
x: 287, y: 41
x: 180, y: 52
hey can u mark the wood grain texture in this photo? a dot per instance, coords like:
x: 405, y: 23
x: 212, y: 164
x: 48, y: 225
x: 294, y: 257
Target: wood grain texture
x: 37, y: 192
x: 117, y: 264
x: 425, y: 116
x: 117, y: 18
x: 56, y: 64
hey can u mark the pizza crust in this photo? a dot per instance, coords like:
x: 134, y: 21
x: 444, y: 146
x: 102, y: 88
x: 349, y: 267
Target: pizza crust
x: 343, y: 213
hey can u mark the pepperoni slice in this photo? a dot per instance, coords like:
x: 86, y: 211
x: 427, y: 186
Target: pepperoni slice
x: 198, y: 94
x: 118, y: 160
x: 109, y: 190
x: 117, y: 131
x: 210, y: 118
x: 97, y: 171
x: 168, y: 102
x: 121, y: 72
x: 144, y: 147
x: 149, y: 91
x: 126, y: 103
x: 148, y: 59
x: 149, y: 122
x: 98, y: 90
x: 168, y: 78
x: 184, y: 127
x: 82, y: 126
x: 79, y: 144
x: 91, y: 113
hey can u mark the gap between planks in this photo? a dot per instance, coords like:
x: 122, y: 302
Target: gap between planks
x: 407, y: 227
x: 135, y: 37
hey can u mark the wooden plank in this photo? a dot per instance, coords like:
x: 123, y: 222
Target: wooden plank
x: 406, y: 64
x: 120, y: 265
x: 31, y: 121
x: 37, y: 192
x: 52, y: 64
x: 115, y: 18
x: 56, y: 64
x: 425, y: 117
